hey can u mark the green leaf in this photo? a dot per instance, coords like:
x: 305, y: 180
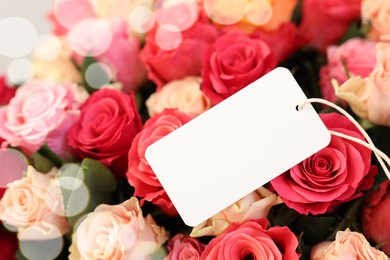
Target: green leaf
x: 282, y: 215
x: 41, y: 163
x: 48, y: 153
x: 85, y: 187
x: 316, y: 228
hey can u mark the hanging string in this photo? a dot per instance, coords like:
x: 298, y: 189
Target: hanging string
x: 369, y: 144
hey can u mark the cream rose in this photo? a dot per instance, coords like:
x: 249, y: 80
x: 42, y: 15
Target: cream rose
x: 183, y: 94
x: 377, y: 14
x: 117, y: 232
x: 256, y: 205
x: 36, y: 201
x: 347, y: 245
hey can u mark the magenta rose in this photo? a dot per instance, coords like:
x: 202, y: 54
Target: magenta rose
x: 252, y: 240
x: 324, y: 22
x: 177, y: 62
x: 233, y: 62
x: 140, y: 175
x: 181, y: 247
x: 107, y: 126
x: 335, y: 175
x: 376, y: 218
x: 359, y: 57
x: 6, y: 91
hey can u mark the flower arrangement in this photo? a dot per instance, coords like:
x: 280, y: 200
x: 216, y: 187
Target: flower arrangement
x: 74, y: 179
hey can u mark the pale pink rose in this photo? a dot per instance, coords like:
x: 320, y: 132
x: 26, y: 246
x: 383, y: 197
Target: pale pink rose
x: 184, y: 94
x: 35, y: 201
x: 356, y: 55
x: 376, y: 13
x: 347, y: 245
x: 117, y: 232
x: 184, y: 248
x: 38, y: 108
x: 256, y: 205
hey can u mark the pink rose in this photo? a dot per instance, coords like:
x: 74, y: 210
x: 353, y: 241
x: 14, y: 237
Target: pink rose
x: 255, y: 205
x: 375, y: 13
x: 184, y: 248
x: 35, y: 200
x: 325, y: 21
x: 276, y: 40
x: 182, y: 55
x: 184, y: 94
x: 375, y: 219
x: 335, y: 175
x: 347, y: 245
x: 6, y: 92
x: 38, y: 108
x: 253, y: 240
x: 140, y: 175
x: 108, y: 123
x: 233, y: 62
x: 117, y: 232
x: 357, y: 55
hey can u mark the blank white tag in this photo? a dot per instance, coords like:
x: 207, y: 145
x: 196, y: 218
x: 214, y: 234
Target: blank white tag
x: 237, y: 146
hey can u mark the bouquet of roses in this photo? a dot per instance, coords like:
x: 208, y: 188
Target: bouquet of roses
x: 74, y: 179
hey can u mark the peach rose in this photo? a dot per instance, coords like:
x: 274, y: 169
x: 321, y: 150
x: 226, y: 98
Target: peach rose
x: 184, y: 94
x: 35, y: 201
x: 256, y: 205
x: 38, y: 108
x: 377, y: 14
x: 117, y: 232
x: 348, y: 245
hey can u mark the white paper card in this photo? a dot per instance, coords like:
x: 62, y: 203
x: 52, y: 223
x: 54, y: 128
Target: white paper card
x: 237, y: 146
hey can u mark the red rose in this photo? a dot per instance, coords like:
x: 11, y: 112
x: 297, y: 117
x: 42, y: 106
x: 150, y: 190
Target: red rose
x: 335, y: 175
x: 252, y: 240
x: 283, y: 42
x: 184, y: 248
x: 234, y: 61
x: 8, y: 246
x: 107, y: 126
x: 6, y: 92
x: 184, y: 60
x: 326, y: 21
x: 376, y: 217
x: 140, y: 175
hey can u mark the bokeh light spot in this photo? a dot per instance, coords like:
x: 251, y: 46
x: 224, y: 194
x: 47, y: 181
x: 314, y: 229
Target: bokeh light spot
x: 18, y: 37
x: 141, y: 19
x: 168, y: 37
x: 13, y: 166
x: 259, y: 12
x: 98, y: 74
x: 225, y: 11
x: 48, y: 47
x: 180, y: 13
x: 20, y: 71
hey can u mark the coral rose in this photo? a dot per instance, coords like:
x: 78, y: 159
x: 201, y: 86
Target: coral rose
x: 376, y: 14
x: 184, y: 248
x: 233, y: 62
x: 107, y: 126
x: 117, y: 232
x: 347, y: 245
x: 35, y: 200
x: 38, y: 108
x: 183, y: 94
x: 356, y: 57
x: 252, y: 240
x: 335, y: 175
x: 140, y: 175
x: 375, y: 219
x: 255, y: 205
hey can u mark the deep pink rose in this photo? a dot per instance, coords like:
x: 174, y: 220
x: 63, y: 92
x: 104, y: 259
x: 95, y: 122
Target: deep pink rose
x: 325, y: 21
x: 107, y: 126
x: 165, y: 65
x: 335, y: 175
x: 181, y: 247
x: 376, y: 217
x: 6, y: 92
x: 252, y: 240
x: 283, y: 42
x: 359, y: 57
x: 233, y: 62
x: 140, y: 175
